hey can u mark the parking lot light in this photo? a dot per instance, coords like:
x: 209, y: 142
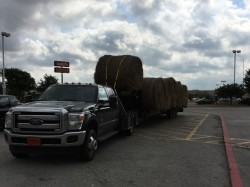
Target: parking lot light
x: 4, y: 34
x: 235, y: 51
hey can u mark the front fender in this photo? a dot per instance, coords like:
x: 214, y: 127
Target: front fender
x: 91, y: 121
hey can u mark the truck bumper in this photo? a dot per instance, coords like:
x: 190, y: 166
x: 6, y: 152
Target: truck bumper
x: 68, y: 139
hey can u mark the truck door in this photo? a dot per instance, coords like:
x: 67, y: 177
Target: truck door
x: 108, y: 117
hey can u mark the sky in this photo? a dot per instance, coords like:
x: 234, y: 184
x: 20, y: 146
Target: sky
x: 191, y: 40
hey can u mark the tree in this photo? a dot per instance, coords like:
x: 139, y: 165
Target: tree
x: 46, y: 82
x: 19, y: 82
x: 230, y: 91
x: 246, y: 81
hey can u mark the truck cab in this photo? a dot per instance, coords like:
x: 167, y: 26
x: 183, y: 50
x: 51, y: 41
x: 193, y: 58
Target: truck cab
x: 65, y: 116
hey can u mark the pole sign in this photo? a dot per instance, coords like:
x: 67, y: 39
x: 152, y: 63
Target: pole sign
x: 61, y: 67
x: 61, y: 63
x: 61, y: 70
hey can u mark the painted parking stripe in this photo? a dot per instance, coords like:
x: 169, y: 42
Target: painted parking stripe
x: 196, y: 128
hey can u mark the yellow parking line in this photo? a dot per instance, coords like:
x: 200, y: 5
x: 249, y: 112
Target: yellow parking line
x: 196, y: 128
x: 162, y: 135
x: 170, y: 131
x: 214, y: 142
x: 201, y: 136
x: 248, y: 142
x: 239, y: 139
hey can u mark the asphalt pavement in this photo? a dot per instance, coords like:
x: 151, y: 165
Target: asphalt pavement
x: 237, y: 123
x: 187, y: 151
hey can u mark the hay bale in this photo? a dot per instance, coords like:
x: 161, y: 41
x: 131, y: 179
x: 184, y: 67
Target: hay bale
x: 170, y: 92
x: 184, y: 96
x: 120, y: 72
x: 152, y: 94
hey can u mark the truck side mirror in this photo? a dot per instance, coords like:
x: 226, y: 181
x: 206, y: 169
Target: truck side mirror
x: 113, y: 101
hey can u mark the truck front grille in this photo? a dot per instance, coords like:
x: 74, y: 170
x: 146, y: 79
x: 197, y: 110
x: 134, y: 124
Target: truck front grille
x: 39, y: 122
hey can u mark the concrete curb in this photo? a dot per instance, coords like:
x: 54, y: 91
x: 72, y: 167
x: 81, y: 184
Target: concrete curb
x: 234, y: 170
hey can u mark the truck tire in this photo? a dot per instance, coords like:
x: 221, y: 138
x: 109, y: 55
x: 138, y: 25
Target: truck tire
x: 130, y: 131
x: 89, y: 147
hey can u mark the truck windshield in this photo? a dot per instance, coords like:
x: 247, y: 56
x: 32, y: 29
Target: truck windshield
x: 83, y: 93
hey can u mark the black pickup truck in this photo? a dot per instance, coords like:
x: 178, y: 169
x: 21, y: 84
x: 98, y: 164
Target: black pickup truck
x: 67, y: 117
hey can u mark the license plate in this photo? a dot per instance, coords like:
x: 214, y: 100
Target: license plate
x: 34, y: 141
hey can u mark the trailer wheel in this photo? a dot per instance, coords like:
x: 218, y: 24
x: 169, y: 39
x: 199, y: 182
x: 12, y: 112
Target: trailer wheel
x: 170, y: 114
x: 175, y: 113
x: 89, y: 146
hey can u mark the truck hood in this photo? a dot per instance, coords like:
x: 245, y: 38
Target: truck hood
x: 71, y: 106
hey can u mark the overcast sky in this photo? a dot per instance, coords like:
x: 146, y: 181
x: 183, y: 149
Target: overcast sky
x: 189, y: 40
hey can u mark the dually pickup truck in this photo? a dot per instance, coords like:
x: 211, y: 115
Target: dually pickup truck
x: 67, y: 117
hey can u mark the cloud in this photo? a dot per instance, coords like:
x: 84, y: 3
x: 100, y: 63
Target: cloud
x: 191, y: 41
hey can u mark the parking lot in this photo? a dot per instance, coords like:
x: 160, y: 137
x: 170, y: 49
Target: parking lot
x: 187, y: 151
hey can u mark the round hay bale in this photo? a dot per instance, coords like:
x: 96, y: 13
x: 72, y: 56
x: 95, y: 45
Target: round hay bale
x: 153, y: 94
x: 170, y: 92
x: 120, y: 72
x: 184, y: 96
x: 179, y: 94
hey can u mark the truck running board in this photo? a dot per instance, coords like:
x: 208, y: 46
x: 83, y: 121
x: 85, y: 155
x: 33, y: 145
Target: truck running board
x: 106, y: 136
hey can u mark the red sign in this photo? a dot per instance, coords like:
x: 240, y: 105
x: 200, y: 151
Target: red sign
x: 61, y: 63
x: 61, y: 70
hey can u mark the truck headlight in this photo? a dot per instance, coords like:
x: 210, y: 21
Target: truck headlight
x: 76, y: 121
x: 8, y: 120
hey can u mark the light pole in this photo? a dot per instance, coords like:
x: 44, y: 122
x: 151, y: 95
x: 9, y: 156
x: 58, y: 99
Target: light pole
x: 235, y: 51
x: 4, y: 34
x: 243, y: 73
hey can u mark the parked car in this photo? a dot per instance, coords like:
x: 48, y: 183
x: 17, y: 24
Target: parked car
x: 202, y: 101
x: 245, y: 101
x: 6, y: 102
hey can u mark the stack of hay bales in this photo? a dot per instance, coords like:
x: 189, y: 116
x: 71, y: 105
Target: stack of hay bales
x: 125, y: 74
x: 163, y: 94
x: 120, y: 72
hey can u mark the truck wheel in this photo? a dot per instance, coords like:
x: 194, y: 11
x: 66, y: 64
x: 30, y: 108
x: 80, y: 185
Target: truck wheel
x: 130, y: 131
x: 89, y: 147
